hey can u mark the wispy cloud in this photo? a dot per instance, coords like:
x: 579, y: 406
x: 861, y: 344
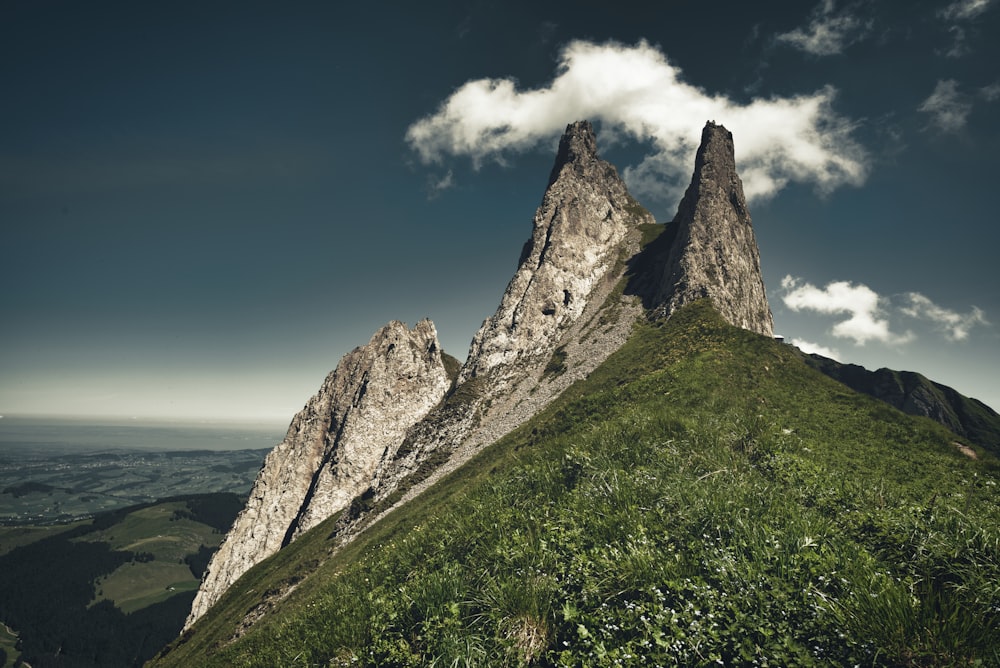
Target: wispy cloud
x: 635, y: 92
x: 947, y: 107
x: 990, y: 93
x: 868, y: 313
x: 958, y: 15
x: 828, y: 33
x: 956, y: 325
x: 438, y: 185
x: 866, y: 320
x: 965, y: 9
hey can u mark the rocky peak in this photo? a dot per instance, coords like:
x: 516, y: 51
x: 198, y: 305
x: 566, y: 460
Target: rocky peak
x: 577, y: 149
x: 714, y: 252
x: 333, y: 445
x: 577, y: 238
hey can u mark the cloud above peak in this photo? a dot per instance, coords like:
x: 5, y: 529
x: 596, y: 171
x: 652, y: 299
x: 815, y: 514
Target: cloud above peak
x: 634, y: 92
x: 866, y: 318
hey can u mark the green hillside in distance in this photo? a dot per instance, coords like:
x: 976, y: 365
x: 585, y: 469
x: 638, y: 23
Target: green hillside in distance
x: 703, y: 498
x: 110, y: 591
x: 915, y: 394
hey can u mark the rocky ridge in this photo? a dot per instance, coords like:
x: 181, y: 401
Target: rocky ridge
x: 572, y: 301
x: 714, y: 251
x: 333, y: 445
x: 584, y: 229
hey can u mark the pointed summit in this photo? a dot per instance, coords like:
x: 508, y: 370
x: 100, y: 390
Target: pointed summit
x: 585, y: 216
x: 333, y: 445
x: 577, y: 149
x: 714, y: 253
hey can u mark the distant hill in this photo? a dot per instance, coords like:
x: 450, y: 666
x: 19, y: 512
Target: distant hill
x: 109, y: 591
x: 913, y: 393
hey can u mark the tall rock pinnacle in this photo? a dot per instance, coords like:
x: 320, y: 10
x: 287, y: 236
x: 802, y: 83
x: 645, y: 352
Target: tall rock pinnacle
x: 714, y: 252
x: 333, y: 445
x: 579, y: 228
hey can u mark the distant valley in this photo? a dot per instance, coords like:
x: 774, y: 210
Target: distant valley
x: 60, y: 470
x: 106, y: 528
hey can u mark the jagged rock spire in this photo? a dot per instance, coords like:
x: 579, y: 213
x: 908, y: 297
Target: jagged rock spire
x: 577, y: 150
x: 331, y: 450
x: 585, y: 214
x: 714, y: 252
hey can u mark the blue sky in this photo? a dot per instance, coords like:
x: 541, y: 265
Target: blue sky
x: 205, y: 205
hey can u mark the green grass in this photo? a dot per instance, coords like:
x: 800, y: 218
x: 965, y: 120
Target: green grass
x: 557, y: 363
x: 703, y: 497
x: 13, y: 537
x: 8, y: 644
x: 167, y: 536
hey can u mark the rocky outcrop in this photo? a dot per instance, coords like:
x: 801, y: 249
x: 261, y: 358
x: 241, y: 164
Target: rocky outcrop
x: 585, y: 215
x: 583, y: 232
x: 333, y: 446
x: 713, y: 252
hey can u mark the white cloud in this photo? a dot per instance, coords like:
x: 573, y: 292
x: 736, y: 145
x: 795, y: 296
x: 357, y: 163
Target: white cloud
x: 635, y: 92
x: 965, y: 9
x: 869, y: 312
x: 948, y: 108
x: 867, y: 321
x: 828, y: 33
x: 809, y: 347
x: 956, y: 325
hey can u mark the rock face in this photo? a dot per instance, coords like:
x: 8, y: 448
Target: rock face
x: 577, y: 237
x: 714, y: 252
x: 333, y: 446
x: 585, y: 228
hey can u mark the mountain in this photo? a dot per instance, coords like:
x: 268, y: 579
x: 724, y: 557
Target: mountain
x: 713, y: 252
x: 703, y: 497
x: 628, y: 369
x: 915, y: 394
x: 347, y: 445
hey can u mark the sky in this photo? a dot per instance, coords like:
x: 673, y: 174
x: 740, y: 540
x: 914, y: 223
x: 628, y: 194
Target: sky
x: 204, y: 206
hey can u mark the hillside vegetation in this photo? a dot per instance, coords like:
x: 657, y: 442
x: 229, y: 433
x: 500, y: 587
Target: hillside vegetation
x: 704, y: 497
x: 110, y: 591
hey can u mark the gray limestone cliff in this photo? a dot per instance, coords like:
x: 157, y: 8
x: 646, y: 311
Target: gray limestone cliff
x: 585, y: 215
x: 558, y: 319
x: 713, y: 252
x: 332, y: 448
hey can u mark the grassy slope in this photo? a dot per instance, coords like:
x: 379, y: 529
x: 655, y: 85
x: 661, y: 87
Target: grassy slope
x: 156, y: 531
x: 703, y: 496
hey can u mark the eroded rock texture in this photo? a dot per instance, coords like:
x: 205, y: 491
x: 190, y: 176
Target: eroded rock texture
x: 333, y: 446
x: 714, y: 252
x: 576, y: 240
